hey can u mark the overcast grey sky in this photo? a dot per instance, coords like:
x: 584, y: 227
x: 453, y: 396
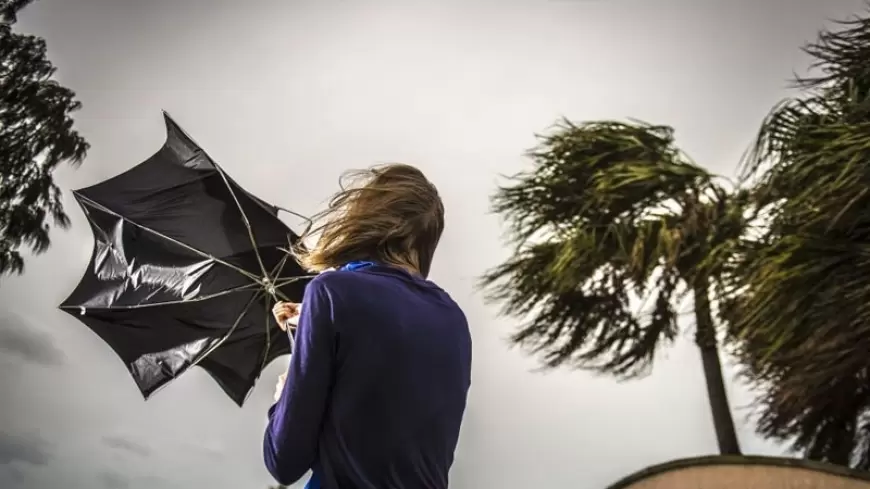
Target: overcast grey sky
x: 286, y: 95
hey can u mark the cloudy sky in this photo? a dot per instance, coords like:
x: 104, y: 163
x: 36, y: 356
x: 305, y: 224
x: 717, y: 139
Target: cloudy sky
x: 286, y: 95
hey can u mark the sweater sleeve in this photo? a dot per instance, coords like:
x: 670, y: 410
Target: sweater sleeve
x: 291, y: 440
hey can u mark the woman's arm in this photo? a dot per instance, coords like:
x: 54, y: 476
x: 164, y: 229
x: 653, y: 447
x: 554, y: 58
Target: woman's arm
x: 290, y: 443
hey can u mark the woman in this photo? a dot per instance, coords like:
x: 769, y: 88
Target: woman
x: 377, y: 386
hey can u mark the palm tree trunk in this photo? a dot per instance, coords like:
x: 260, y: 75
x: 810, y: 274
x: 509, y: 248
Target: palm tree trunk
x: 705, y: 338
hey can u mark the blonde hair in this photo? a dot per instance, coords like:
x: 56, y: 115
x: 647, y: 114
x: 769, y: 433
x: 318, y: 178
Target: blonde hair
x: 389, y: 214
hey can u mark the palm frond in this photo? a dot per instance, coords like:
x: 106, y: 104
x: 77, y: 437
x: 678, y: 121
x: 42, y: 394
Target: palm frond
x: 587, y: 323
x: 610, y: 214
x: 595, y: 173
x: 799, y: 312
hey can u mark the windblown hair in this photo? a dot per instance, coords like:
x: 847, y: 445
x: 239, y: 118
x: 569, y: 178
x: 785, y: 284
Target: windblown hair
x: 389, y: 214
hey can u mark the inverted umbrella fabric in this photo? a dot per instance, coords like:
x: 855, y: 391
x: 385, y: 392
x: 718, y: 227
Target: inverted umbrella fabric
x: 185, y: 267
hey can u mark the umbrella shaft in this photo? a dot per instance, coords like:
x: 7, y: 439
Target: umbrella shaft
x: 290, y: 327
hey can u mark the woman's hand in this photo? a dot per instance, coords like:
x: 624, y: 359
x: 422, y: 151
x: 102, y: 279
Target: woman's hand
x: 279, y: 387
x: 286, y: 312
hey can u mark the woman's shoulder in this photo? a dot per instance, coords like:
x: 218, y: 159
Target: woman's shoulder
x: 331, y: 280
x: 354, y: 285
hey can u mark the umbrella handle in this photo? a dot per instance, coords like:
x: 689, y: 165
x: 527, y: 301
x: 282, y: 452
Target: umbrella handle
x: 290, y: 327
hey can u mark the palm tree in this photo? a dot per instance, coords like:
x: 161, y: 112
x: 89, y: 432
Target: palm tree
x: 612, y: 228
x: 802, y: 320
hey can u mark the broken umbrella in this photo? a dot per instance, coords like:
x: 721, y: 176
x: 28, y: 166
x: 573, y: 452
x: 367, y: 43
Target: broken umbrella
x: 185, y: 268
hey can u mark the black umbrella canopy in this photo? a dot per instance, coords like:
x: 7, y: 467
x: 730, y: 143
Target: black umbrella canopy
x: 185, y: 268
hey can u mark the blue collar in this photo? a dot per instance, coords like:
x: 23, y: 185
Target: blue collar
x: 357, y: 265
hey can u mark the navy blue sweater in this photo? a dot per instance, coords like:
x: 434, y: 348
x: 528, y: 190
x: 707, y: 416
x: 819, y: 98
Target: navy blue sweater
x: 377, y: 385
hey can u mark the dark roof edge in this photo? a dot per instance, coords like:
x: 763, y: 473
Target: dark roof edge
x: 713, y: 460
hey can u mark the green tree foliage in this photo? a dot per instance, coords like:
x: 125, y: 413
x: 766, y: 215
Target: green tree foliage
x: 613, y: 227
x: 36, y: 135
x: 801, y: 310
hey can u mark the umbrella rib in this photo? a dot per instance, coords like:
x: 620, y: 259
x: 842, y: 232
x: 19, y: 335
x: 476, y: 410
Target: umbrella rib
x: 221, y: 341
x: 245, y: 220
x: 276, y: 272
x: 175, y: 241
x: 275, y: 289
x: 195, y: 361
x: 278, y: 267
x: 310, y: 221
x: 271, y: 287
x: 276, y: 292
x: 288, y: 251
x: 290, y: 280
x: 240, y: 288
x: 287, y: 281
x: 230, y: 332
